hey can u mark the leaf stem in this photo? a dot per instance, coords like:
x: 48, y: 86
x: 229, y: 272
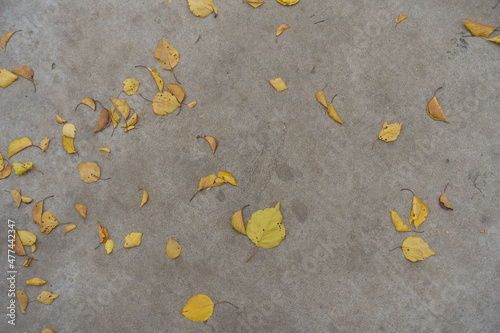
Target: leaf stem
x: 448, y: 183
x: 407, y: 189
x: 437, y: 90
x: 193, y: 196
x: 225, y: 302
x: 256, y: 248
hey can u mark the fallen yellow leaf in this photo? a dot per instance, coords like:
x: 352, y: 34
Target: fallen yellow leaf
x: 130, y: 86
x: 36, y: 281
x: 49, y: 222
x: 46, y: 297
x: 167, y: 55
x: 320, y: 97
x: 33, y: 248
x: 5, y: 39
x: 164, y: 103
x: 115, y: 118
x: 22, y: 168
x: 22, y: 298
x: 333, y: 114
x: 390, y: 132
x: 89, y: 172
x: 48, y: 330
x: 444, y: 203
x: 27, y: 262
x: 68, y: 144
x: 265, y: 228
x: 478, y: 29
x: 145, y: 197
x: 109, y: 246
x: 133, y: 239
x: 198, y: 308
x: 81, y: 209
x: 227, y: 177
x: 237, y: 221
x: 103, y: 233
x: 434, y: 109
x: 173, y: 248
x: 37, y: 212
x: 70, y: 227
x: 27, y: 238
x: 255, y: 3
x: 121, y: 106
x: 192, y: 104
x: 278, y: 84
x: 17, y: 145
x: 26, y: 200
x: 398, y: 222
x: 177, y: 91
x: 131, y: 122
x: 44, y: 144
x: 6, y: 172
x: 288, y: 2
x: 281, y: 28
x: 211, y: 141
x: 18, y: 246
x: 156, y: 76
x: 415, y: 249
x: 6, y: 78
x: 26, y: 72
x: 69, y: 130
x: 400, y: 18
x: 16, y: 195
x: 202, y: 8
x: 419, y: 212
x: 495, y: 39
x: 89, y: 102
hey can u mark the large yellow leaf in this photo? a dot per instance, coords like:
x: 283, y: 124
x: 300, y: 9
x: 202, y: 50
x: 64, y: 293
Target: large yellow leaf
x: 202, y: 8
x: 130, y: 86
x: 133, y: 239
x: 27, y: 237
x: 167, y: 55
x: 89, y: 172
x: 265, y: 228
x: 6, y: 78
x: 398, y: 222
x: 415, y: 249
x: 198, y: 308
x: 17, y: 145
x: 478, y: 29
x: 419, y: 212
x: 22, y: 168
x: 164, y: 103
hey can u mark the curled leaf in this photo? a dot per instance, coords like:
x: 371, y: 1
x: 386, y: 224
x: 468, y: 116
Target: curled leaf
x: 415, y: 249
x: 89, y: 172
x: 121, y: 106
x: 70, y: 227
x: 198, y: 308
x: 444, y: 203
x: 333, y: 114
x: 37, y: 212
x: 434, y: 109
x: 400, y: 18
x: 145, y: 197
x: 68, y: 144
x: 212, y: 142
x: 6, y: 78
x: 36, y: 281
x: 26, y: 200
x: 419, y: 212
x: 104, y: 120
x: 60, y: 120
x: 288, y: 2
x: 89, y: 102
x: 133, y: 239
x: 238, y: 223
x: 26, y: 72
x: 27, y: 262
x: 46, y: 297
x: 227, y: 177
x: 18, y: 246
x: 115, y: 118
x: 5, y: 39
x: 173, y: 248
x: 192, y: 104
x: 44, y: 144
x: 278, y: 84
x: 103, y: 233
x: 132, y: 121
x: 177, y: 91
x: 130, y: 86
x: 281, y: 28
x: 17, y: 145
x: 22, y: 168
x: 320, y: 97
x: 6, y: 172
x: 255, y: 3
x: 390, y: 132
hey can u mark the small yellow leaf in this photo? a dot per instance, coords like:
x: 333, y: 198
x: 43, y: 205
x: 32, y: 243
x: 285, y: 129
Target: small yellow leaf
x: 68, y: 144
x: 265, y: 227
x: 121, y: 106
x: 288, y: 2
x: 89, y: 102
x: 16, y: 195
x: 103, y: 233
x: 415, y: 249
x: 27, y: 238
x: 434, y: 109
x: 26, y: 200
x: 478, y: 29
x: 44, y: 144
x: 46, y: 297
x: 36, y: 281
x: 145, y: 197
x: 158, y: 79
x: 281, y: 28
x: 495, y: 39
x: 27, y: 262
x: 104, y: 120
x: 130, y: 86
x: 69, y: 130
x: 49, y: 222
x: 70, y: 227
x: 212, y: 142
x: 173, y: 248
x: 133, y: 239
x: 18, y: 246
x: 398, y: 222
x: 2, y: 164
x: 390, y: 132
x: 400, y: 18
x: 483, y: 231
x: 238, y: 223
x: 5, y: 39
x: 227, y: 177
x: 37, y: 212
x: 198, y: 308
x: 115, y: 118
x: 167, y: 55
x: 177, y: 91
x: 109, y: 246
x: 128, y: 128
x: 6, y: 78
x: 132, y: 121
x: 17, y: 145
x: 444, y: 203
x: 6, y: 172
x: 105, y: 149
x: 22, y: 168
x: 419, y: 212
x: 89, y: 172
x: 33, y: 248
x: 22, y: 298
x: 192, y: 104
x: 202, y: 8
x: 255, y: 3
x: 320, y: 97
x: 48, y: 330
x: 164, y: 103
x: 333, y: 114
x: 278, y: 84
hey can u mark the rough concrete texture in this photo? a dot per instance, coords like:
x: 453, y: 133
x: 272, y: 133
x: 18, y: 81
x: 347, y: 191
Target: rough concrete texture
x: 336, y: 184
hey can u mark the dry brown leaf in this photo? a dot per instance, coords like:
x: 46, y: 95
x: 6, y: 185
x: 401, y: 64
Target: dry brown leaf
x: 46, y: 297
x: 281, y: 28
x: 49, y: 222
x: 22, y: 298
x: 82, y: 209
x: 6, y: 172
x: 104, y: 120
x: 103, y: 234
x: 167, y: 55
x: 37, y: 212
x: 44, y: 144
x: 18, y: 245
x: 177, y: 91
x: 89, y: 172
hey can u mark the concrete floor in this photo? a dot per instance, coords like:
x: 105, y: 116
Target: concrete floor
x: 336, y: 184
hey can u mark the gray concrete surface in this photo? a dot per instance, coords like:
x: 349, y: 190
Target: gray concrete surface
x: 334, y: 271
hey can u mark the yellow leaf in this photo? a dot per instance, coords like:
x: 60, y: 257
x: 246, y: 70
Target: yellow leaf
x: 68, y: 145
x: 133, y: 239
x: 237, y: 221
x: 46, y: 297
x: 333, y: 114
x: 444, y: 203
x: 44, y: 144
x: 5, y: 38
x: 173, y: 248
x: 69, y: 130
x: 390, y: 132
x: 164, y: 103
x: 132, y: 121
x: 227, y: 177
x: 177, y: 91
x: 206, y: 182
x: 495, y: 39
x: 27, y: 262
x: 104, y: 120
x: 16, y: 195
x: 419, y: 212
x: 89, y: 172
x: 26, y: 200
x: 167, y: 55
x: 212, y: 142
x: 70, y: 227
x: 198, y: 308
x: 265, y: 228
x: 121, y: 106
x: 202, y: 8
x: 109, y: 246
x: 156, y: 76
x: 22, y: 298
x: 6, y: 78
x: 33, y: 248
x: 17, y: 145
x: 2, y: 164
x: 18, y: 246
x: 400, y: 18
x: 415, y: 249
x: 115, y: 118
x: 48, y: 330
x: 27, y: 238
x: 37, y: 212
x: 6, y: 172
x: 22, y: 168
x: 105, y: 149
x: 434, y: 109
x: 281, y: 28
x: 49, y: 222
x: 89, y: 102
x: 145, y: 197
x: 128, y: 128
x: 288, y: 2
x: 82, y: 209
x: 130, y: 86
x: 478, y: 29
x: 320, y: 97
x: 278, y: 84
x: 192, y: 104
x: 398, y: 222
x: 255, y: 3
x: 36, y: 281
x: 103, y: 233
